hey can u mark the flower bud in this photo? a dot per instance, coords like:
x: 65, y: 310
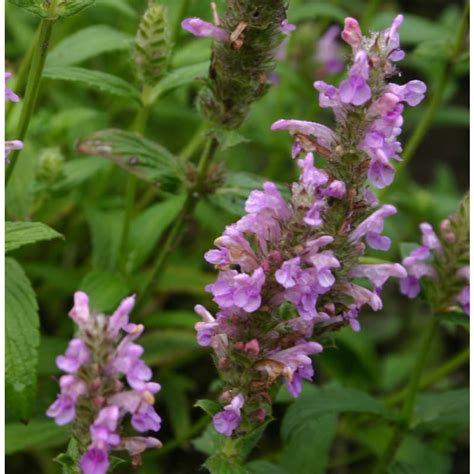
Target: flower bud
x: 152, y: 45
x: 50, y: 166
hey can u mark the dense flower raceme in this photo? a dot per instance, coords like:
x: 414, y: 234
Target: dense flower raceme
x: 105, y: 381
x: 291, y: 270
x: 443, y: 263
x: 11, y: 145
x: 368, y: 110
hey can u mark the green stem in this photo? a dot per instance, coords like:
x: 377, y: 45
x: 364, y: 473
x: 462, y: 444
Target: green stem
x: 440, y: 373
x: 34, y: 79
x: 139, y: 126
x: 176, y: 231
x: 409, y: 403
x: 438, y: 93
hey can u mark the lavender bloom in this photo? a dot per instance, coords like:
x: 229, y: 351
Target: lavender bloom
x: 434, y: 262
x: 287, y: 268
x: 365, y: 97
x: 100, y: 361
x: 287, y: 27
x: 11, y: 145
x: 201, y: 28
x: 328, y: 52
x: 227, y: 420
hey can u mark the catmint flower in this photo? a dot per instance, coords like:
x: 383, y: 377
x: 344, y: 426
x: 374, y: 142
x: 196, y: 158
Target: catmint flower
x: 11, y: 145
x: 201, y: 28
x: 106, y: 382
x: 227, y: 420
x: 441, y: 263
x: 368, y: 109
x: 328, y: 53
x: 290, y: 269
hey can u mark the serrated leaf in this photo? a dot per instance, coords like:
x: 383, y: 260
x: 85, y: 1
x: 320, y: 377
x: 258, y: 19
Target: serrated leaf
x: 149, y: 226
x: 37, y: 434
x: 64, y: 9
x: 246, y: 443
x: 146, y: 159
x: 88, y: 43
x: 325, y: 401
x: 209, y: 406
x: 18, y: 234
x: 210, y: 441
x: 99, y: 80
x: 105, y: 290
x: 21, y: 341
x: 33, y: 6
x: 437, y: 412
x: 180, y: 77
x: 228, y: 138
x: 72, y: 7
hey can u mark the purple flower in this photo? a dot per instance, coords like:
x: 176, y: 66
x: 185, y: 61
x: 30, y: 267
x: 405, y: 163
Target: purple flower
x: 136, y: 445
x: 119, y: 319
x: 201, y: 28
x: 238, y: 289
x: 337, y: 189
x: 269, y: 199
x: 412, y: 92
x: 355, y: 90
x: 9, y: 94
x: 204, y: 328
x: 410, y: 286
x: 328, y: 51
x: 392, y: 40
x: 11, y: 145
x: 372, y: 228
x: 76, y: 355
x: 95, y: 461
x: 363, y: 296
x: 287, y: 27
x: 464, y: 300
x: 288, y: 273
x: 378, y: 274
x: 227, y: 420
x: 323, y: 135
x: 103, y: 430
x: 63, y: 410
x: 352, y: 34
x: 80, y: 312
x: 428, y: 237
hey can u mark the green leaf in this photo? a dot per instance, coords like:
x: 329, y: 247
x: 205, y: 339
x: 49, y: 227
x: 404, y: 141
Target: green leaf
x: 99, y: 80
x: 265, y: 467
x: 105, y: 290
x: 120, y: 5
x: 437, y: 412
x: 149, y: 226
x: 181, y: 278
x: 316, y: 11
x: 77, y: 171
x: 210, y: 441
x: 403, y: 468
x: 180, y: 77
x: 21, y: 341
x: 139, y: 156
x: 105, y: 228
x: 209, y: 406
x: 169, y: 346
x: 69, y: 460
x: 455, y: 318
x: 228, y: 138
x: 175, y: 395
x: 307, y: 450
x: 325, y: 401
x: 245, y: 444
x: 220, y: 464
x: 18, y: 234
x: 37, y: 434
x: 434, y: 50
x: 180, y: 319
x: 40, y: 7
x: 88, y: 43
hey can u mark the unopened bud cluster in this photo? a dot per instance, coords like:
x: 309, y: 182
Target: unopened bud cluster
x: 106, y: 381
x: 246, y: 39
x: 290, y: 271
